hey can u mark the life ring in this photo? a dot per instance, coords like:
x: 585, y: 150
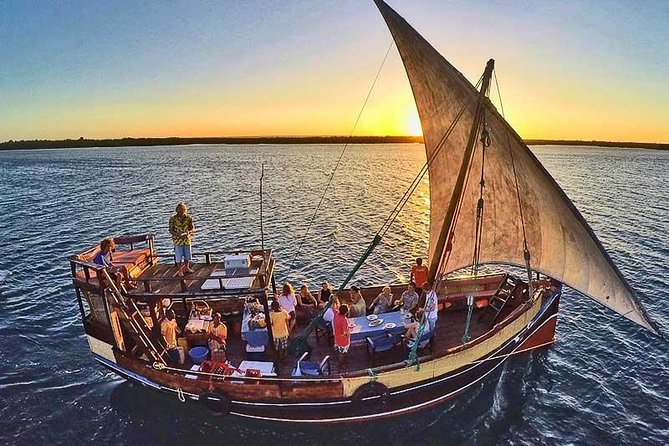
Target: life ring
x: 371, y: 390
x: 216, y: 402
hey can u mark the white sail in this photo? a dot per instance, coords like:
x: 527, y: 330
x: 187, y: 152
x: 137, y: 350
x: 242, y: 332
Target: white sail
x: 560, y: 242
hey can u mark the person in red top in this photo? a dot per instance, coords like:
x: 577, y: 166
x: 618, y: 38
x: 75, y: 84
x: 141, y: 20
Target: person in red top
x: 342, y: 335
x: 419, y: 275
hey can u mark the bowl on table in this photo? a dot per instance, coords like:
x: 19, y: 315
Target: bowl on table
x: 198, y: 354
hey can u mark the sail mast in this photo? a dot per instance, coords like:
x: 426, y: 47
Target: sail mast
x: 444, y: 235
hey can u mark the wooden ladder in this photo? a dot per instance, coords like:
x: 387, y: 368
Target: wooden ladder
x: 140, y: 328
x: 498, y: 300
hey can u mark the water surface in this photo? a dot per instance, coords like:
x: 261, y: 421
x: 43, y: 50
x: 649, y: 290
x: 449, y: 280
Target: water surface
x: 605, y: 381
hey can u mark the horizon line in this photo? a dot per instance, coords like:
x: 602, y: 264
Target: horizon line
x: 282, y: 139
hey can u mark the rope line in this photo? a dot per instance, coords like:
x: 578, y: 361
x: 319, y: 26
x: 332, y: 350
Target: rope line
x: 341, y: 155
x: 417, y: 180
x: 526, y: 250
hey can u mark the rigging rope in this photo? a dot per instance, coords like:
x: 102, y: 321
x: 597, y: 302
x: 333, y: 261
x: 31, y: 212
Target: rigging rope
x: 526, y: 251
x: 478, y: 233
x: 414, y: 184
x: 341, y: 155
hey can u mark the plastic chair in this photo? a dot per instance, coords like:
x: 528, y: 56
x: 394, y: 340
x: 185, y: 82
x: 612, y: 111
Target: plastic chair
x: 311, y: 368
x: 425, y: 341
x: 380, y: 345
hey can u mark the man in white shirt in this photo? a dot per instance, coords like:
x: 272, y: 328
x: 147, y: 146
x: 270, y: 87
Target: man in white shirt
x: 431, y: 305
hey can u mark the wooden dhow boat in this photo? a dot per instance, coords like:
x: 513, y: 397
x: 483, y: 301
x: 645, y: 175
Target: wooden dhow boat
x: 492, y: 202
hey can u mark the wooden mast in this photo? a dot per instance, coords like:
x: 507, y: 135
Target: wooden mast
x: 444, y: 235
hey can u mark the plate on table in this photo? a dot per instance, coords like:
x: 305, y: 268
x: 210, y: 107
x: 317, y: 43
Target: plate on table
x: 376, y: 322
x: 372, y: 317
x: 351, y: 324
x: 389, y: 325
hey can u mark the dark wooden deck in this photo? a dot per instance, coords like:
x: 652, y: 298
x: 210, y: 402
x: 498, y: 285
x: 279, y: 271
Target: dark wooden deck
x: 164, y: 280
x: 449, y: 331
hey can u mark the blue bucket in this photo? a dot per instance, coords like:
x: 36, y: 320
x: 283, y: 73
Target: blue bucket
x: 198, y: 354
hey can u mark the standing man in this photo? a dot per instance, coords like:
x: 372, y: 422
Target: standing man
x: 181, y: 229
x: 431, y: 305
x: 169, y: 331
x: 419, y: 275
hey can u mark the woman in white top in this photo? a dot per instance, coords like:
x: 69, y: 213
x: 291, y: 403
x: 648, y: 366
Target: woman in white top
x: 287, y: 300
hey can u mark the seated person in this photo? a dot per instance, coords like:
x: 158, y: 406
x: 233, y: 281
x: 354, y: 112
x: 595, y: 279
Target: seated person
x: 413, y: 325
x: 105, y: 258
x: 328, y: 316
x: 409, y: 299
x: 383, y: 302
x: 324, y: 294
x: 217, y: 334
x: 169, y: 330
x: 279, y: 319
x: 288, y: 301
x: 307, y: 304
x: 358, y: 306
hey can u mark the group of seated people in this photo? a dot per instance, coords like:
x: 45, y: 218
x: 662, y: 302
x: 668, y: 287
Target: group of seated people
x: 289, y: 306
x: 286, y: 309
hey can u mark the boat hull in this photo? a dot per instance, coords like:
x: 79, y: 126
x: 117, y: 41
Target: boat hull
x: 396, y: 401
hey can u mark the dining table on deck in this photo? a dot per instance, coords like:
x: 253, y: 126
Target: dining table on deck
x: 362, y: 330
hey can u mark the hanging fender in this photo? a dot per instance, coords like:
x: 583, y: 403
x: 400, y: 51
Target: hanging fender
x: 370, y: 390
x: 218, y: 403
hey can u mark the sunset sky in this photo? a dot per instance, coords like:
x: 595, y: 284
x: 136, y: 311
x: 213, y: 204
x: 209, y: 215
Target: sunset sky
x: 567, y: 69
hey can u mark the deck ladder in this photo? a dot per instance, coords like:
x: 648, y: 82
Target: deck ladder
x: 137, y: 322
x: 498, y: 300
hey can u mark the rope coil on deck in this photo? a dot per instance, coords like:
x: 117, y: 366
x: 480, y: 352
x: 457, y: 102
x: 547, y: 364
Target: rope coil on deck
x: 158, y: 366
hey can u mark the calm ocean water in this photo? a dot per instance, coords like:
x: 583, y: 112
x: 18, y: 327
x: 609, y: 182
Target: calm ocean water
x: 605, y: 381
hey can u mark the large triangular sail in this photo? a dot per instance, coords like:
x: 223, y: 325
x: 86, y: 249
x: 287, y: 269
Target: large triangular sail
x: 561, y: 243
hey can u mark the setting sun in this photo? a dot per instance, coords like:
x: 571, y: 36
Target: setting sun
x: 413, y: 127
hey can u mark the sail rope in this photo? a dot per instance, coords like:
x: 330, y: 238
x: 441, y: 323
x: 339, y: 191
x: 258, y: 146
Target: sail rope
x: 341, y: 155
x: 478, y: 232
x: 451, y: 233
x: 526, y: 251
x: 419, y: 177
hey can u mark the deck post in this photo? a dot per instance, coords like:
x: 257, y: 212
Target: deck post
x: 154, y: 317
x: 265, y: 305
x: 273, y: 284
x: 81, y: 305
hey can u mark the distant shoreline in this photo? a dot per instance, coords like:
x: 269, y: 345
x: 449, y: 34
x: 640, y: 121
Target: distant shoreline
x: 174, y: 141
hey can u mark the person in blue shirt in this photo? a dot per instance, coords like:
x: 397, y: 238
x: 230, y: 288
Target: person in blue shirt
x: 104, y: 258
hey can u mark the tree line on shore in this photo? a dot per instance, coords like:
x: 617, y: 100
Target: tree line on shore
x: 173, y: 141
